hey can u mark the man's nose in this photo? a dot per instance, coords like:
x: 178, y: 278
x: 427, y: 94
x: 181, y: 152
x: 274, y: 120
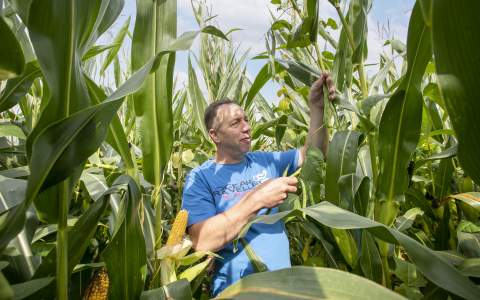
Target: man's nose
x: 246, y: 126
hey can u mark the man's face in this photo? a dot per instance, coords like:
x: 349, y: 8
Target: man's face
x: 231, y: 131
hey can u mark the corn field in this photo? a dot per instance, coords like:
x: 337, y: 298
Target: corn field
x: 96, y: 145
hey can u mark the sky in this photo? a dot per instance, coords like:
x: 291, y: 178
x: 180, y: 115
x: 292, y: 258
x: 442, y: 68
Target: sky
x: 387, y: 19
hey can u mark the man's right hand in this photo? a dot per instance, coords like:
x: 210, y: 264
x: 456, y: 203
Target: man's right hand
x: 273, y: 191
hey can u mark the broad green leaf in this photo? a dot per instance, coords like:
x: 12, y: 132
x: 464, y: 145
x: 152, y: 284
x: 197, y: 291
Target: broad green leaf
x: 155, y: 29
x: 306, y: 283
x: 11, y: 130
x: 407, y: 272
x: 360, y: 29
x: 176, y: 290
x: 427, y: 261
x: 455, y: 44
x: 27, y: 288
x: 311, y: 171
x: 370, y: 260
x: 117, y: 42
x: 405, y: 221
x: 262, y: 77
x: 198, y: 102
x: 56, y: 30
x: 312, y: 13
x: 116, y: 134
x: 103, y: 14
x: 125, y: 254
x: 212, y: 30
x: 12, y: 61
x: 300, y: 71
x: 442, y: 178
x: 347, y: 245
x: 18, y: 87
x: 399, y: 129
x: 341, y: 160
x: 349, y: 186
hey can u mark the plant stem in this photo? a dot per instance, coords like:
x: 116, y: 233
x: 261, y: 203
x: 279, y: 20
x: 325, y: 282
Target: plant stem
x: 319, y: 57
x: 62, y: 243
x: 386, y: 272
x: 158, y: 200
x: 373, y: 156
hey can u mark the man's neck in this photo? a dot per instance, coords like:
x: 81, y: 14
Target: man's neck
x: 227, y: 158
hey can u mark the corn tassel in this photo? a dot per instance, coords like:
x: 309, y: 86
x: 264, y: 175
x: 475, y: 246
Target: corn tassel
x: 98, y: 287
x: 178, y: 228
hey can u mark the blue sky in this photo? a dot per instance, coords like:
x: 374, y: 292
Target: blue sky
x: 387, y: 19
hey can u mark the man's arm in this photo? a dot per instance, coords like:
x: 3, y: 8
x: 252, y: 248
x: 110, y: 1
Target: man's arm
x: 317, y: 133
x: 215, y: 232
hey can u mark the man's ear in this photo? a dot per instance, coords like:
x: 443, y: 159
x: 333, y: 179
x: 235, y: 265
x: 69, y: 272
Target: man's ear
x: 213, y: 135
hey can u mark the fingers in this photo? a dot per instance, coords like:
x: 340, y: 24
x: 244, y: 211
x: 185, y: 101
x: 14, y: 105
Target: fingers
x: 291, y: 188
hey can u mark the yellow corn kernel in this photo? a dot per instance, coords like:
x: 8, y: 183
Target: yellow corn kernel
x: 98, y: 287
x: 178, y: 228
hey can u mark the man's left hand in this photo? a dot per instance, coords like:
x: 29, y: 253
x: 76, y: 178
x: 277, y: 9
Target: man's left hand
x: 316, y: 91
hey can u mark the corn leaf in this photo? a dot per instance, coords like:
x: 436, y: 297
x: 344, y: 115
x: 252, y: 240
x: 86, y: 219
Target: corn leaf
x: 455, y: 45
x: 176, y: 290
x: 341, y: 160
x: 432, y: 266
x: 198, y: 102
x: 116, y: 45
x: 17, y: 88
x: 399, y: 129
x: 306, y: 283
x: 116, y: 135
x: 12, y: 60
x: 155, y: 29
x: 125, y: 255
x: 27, y: 288
x: 370, y: 260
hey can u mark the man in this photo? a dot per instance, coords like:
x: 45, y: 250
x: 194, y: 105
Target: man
x: 225, y: 192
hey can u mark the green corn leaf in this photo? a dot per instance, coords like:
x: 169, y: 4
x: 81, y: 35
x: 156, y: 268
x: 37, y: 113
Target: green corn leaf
x: 427, y: 261
x: 306, y: 283
x: 198, y: 102
x: 125, y: 255
x: 28, y: 288
x: 12, y: 60
x: 262, y: 77
x: 341, y: 160
x: 116, y: 134
x: 370, y: 260
x: 312, y: 13
x: 347, y: 245
x: 155, y: 29
x: 117, y: 44
x: 399, y: 129
x: 179, y: 289
x: 18, y: 87
x: 455, y: 44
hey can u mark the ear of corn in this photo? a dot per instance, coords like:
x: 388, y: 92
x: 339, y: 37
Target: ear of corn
x: 178, y: 228
x: 98, y: 287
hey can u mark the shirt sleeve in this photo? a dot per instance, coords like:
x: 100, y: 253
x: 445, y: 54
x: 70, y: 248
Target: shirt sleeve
x: 285, y: 159
x: 197, y: 198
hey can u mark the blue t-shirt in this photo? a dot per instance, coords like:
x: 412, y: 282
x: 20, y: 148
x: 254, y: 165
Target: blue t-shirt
x: 213, y: 188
